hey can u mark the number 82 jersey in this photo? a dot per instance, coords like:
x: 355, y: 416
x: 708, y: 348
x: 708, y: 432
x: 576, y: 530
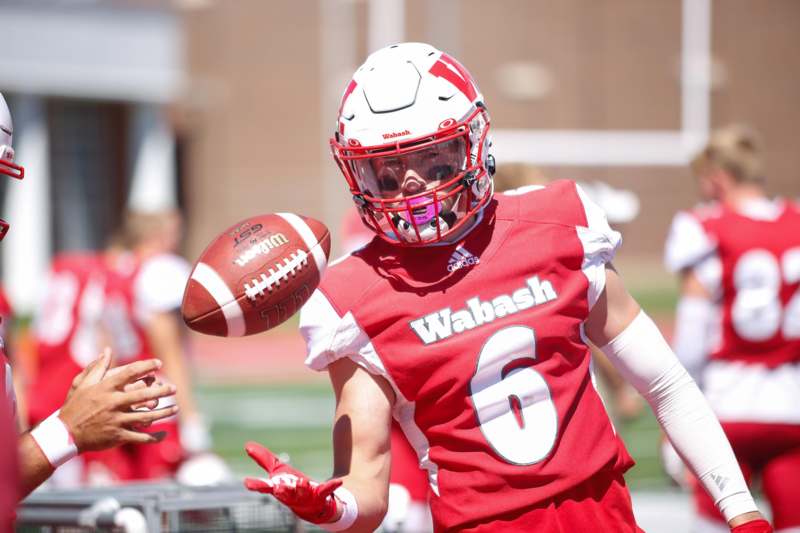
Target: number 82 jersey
x: 749, y: 260
x: 483, y: 343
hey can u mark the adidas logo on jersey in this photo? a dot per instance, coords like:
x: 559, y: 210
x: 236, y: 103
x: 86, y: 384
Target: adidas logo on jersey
x: 445, y: 323
x: 461, y: 258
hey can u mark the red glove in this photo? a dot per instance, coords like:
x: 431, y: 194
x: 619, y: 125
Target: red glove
x: 755, y: 526
x: 313, y: 502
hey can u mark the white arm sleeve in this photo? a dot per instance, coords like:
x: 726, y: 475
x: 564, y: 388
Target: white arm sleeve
x: 645, y: 359
x: 691, y: 340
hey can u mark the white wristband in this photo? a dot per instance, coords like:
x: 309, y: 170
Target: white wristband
x: 735, y: 504
x: 55, y: 441
x: 349, y: 513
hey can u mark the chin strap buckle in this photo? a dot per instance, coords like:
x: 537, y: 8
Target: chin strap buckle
x: 469, y: 179
x: 359, y: 200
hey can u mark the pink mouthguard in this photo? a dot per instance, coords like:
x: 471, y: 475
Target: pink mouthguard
x: 422, y: 218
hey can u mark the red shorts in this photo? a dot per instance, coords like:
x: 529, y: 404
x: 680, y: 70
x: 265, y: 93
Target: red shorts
x: 602, y: 503
x: 405, y: 467
x: 771, y: 452
x: 137, y: 462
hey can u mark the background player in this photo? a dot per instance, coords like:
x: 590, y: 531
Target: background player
x: 65, y: 340
x: 143, y: 289
x: 513, y: 437
x: 100, y: 406
x: 126, y: 297
x: 738, y: 320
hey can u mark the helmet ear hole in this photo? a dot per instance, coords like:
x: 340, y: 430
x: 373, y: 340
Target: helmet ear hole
x: 491, y: 165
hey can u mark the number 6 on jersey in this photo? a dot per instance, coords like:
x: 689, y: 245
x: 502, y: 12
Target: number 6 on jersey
x: 498, y: 385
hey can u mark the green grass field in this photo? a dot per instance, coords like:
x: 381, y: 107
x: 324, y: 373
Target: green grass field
x: 295, y: 419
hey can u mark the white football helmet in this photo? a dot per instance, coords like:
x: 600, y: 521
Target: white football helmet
x: 412, y: 142
x: 7, y: 165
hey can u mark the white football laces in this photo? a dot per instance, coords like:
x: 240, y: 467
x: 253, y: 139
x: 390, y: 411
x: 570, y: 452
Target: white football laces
x: 270, y: 280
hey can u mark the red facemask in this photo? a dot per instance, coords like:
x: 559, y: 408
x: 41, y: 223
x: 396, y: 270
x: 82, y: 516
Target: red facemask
x: 9, y: 168
x: 419, y: 191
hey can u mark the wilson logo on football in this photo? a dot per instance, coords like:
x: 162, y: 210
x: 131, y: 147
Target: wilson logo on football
x: 396, y: 134
x: 447, y: 123
x: 275, y: 240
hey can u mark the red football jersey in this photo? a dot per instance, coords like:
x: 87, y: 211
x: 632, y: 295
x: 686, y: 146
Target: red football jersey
x: 483, y: 343
x: 758, y: 249
x: 760, y: 259
x: 6, y: 313
x: 125, y: 332
x: 65, y: 330
x: 748, y: 259
x: 8, y: 449
x: 135, y: 289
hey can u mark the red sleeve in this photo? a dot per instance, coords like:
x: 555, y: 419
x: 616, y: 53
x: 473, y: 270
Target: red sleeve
x: 8, y: 454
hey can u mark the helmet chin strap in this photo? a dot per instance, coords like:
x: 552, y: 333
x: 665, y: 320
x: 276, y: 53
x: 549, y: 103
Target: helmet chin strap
x: 444, y: 221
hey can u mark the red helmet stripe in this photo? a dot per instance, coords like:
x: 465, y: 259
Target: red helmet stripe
x: 347, y: 92
x: 448, y: 68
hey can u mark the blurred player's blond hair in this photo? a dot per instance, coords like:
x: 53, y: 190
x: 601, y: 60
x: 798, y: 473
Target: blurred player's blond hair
x: 734, y: 149
x: 511, y: 176
x: 159, y: 229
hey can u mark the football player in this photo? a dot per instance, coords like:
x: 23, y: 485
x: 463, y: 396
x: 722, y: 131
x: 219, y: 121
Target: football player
x: 485, y: 365
x: 142, y: 295
x: 738, y: 319
x: 65, y: 337
x: 101, y: 405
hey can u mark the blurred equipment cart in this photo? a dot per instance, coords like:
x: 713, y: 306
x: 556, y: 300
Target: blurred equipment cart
x: 154, y: 508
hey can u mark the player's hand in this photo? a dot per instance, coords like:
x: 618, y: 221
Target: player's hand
x: 99, y: 410
x: 313, y: 502
x: 750, y: 523
x: 144, y: 381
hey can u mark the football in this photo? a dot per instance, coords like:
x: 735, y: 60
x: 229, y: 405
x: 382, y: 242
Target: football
x: 256, y: 274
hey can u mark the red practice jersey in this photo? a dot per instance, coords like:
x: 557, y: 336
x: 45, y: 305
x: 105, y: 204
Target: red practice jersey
x: 135, y: 290
x: 749, y: 261
x: 121, y: 322
x: 8, y: 440
x: 760, y: 267
x: 65, y: 330
x: 8, y: 449
x: 6, y: 314
x: 483, y: 342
